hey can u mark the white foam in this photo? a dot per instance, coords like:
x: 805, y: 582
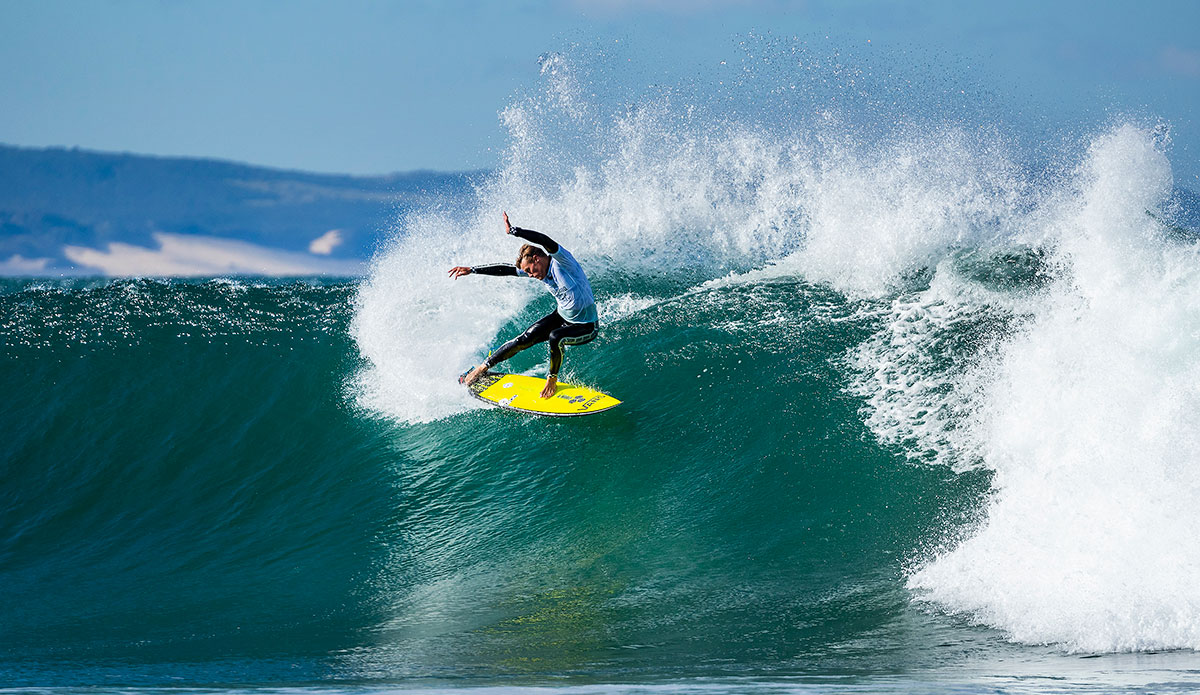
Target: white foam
x: 872, y: 216
x: 622, y: 306
x: 1090, y: 418
x: 917, y: 387
x: 418, y: 329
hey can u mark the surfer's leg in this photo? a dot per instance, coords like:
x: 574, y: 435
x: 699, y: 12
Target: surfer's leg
x: 537, y: 333
x: 568, y: 334
x: 540, y: 331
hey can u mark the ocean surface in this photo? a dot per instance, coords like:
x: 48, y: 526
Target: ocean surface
x: 911, y: 411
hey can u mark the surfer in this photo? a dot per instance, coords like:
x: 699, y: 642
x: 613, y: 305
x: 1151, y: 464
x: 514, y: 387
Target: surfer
x: 573, y: 322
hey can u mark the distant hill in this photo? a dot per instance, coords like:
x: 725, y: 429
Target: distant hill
x: 51, y: 199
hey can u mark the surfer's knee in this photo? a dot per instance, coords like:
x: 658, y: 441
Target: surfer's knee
x: 542, y: 329
x: 529, y: 337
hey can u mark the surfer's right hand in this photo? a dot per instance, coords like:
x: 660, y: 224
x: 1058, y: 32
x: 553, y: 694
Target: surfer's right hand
x: 459, y: 270
x: 507, y: 224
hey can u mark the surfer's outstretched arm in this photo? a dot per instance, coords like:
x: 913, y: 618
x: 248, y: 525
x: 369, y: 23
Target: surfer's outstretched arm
x: 494, y: 269
x: 538, y: 238
x: 531, y: 236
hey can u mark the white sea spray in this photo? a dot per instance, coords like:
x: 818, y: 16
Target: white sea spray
x: 1089, y: 418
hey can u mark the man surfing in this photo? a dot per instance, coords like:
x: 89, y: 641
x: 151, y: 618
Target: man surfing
x: 573, y: 322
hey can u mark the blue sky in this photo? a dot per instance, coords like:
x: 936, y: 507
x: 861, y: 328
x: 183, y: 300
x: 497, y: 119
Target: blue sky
x: 367, y: 86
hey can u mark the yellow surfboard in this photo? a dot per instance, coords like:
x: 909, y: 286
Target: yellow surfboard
x: 524, y: 393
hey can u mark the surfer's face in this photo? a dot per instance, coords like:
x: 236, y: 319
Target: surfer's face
x: 535, y: 266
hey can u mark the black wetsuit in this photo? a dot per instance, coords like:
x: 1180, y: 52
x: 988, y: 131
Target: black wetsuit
x: 553, y: 326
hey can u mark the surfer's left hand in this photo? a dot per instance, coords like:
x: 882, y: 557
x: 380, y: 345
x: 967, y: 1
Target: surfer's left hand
x: 507, y: 224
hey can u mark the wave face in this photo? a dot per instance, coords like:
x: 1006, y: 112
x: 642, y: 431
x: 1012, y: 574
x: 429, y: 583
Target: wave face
x: 900, y: 406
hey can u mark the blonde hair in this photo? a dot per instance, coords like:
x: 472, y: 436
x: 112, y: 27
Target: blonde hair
x: 529, y: 250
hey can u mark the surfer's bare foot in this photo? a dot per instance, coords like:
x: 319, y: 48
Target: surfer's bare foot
x: 551, y: 387
x: 472, y: 376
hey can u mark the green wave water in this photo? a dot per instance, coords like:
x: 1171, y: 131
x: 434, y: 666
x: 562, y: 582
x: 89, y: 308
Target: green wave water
x: 191, y: 490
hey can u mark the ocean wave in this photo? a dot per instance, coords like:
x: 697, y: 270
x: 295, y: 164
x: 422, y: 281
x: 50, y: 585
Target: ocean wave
x: 1034, y: 326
